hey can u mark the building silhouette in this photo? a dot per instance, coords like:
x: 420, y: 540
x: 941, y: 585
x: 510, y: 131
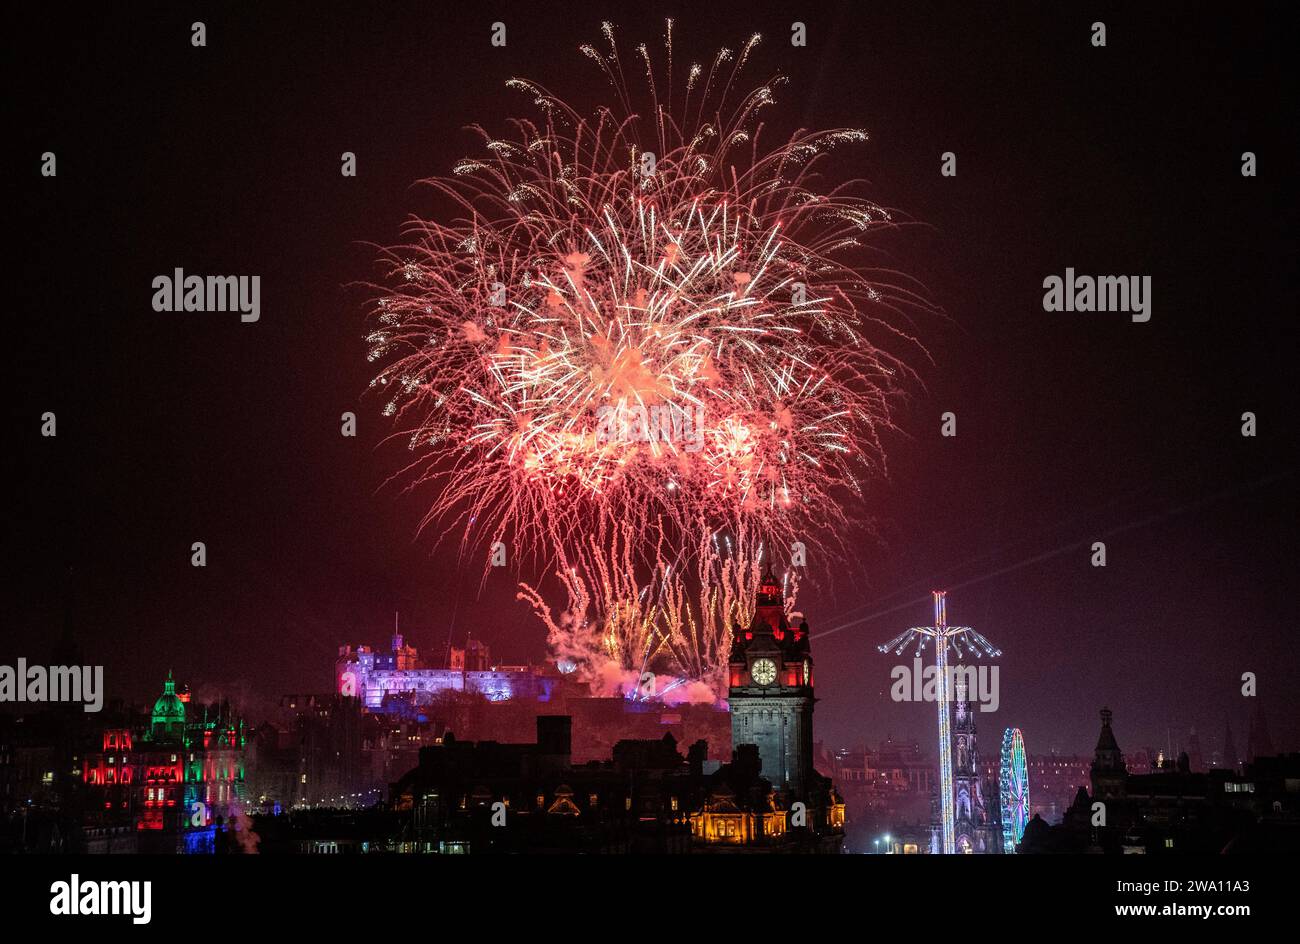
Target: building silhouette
x: 487, y: 796
x: 1174, y: 809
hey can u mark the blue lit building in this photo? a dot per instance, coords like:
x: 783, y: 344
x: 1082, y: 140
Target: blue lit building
x: 177, y: 783
x: 397, y: 682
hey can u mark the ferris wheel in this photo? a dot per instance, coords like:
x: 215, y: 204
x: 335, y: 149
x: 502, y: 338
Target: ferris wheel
x: 1013, y: 786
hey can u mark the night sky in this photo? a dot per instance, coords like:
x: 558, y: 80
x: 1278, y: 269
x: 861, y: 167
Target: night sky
x: 1072, y: 427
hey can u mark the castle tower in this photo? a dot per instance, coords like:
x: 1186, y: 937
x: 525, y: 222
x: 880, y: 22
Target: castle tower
x: 771, y: 692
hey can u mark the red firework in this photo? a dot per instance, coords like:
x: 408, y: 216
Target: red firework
x: 642, y: 354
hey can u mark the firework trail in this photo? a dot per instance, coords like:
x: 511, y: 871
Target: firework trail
x: 638, y: 353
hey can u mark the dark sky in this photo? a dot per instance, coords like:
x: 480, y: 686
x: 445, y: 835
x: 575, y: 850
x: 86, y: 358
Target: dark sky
x: 175, y: 428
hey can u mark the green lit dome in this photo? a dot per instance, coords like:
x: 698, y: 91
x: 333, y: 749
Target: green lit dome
x: 168, y: 712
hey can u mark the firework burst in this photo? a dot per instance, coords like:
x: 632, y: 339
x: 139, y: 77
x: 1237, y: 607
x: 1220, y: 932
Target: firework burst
x: 639, y: 353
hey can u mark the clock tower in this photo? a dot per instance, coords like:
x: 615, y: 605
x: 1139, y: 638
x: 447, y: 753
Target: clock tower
x: 771, y: 692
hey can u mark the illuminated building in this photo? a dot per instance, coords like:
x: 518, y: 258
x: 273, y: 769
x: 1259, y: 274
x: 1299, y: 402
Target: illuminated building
x: 771, y: 692
x: 722, y: 820
x: 177, y: 782
x: 738, y: 811
x: 901, y: 768
x: 484, y: 797
x: 973, y: 829
x: 492, y: 797
x: 398, y: 682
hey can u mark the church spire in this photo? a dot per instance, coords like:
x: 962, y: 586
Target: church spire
x: 1230, y: 759
x: 1109, y: 774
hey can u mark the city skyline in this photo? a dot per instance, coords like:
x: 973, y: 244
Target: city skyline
x: 1071, y: 427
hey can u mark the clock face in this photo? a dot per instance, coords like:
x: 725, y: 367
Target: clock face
x: 763, y: 671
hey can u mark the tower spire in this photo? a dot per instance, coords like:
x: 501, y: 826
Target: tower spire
x: 1109, y: 773
x: 1230, y: 759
